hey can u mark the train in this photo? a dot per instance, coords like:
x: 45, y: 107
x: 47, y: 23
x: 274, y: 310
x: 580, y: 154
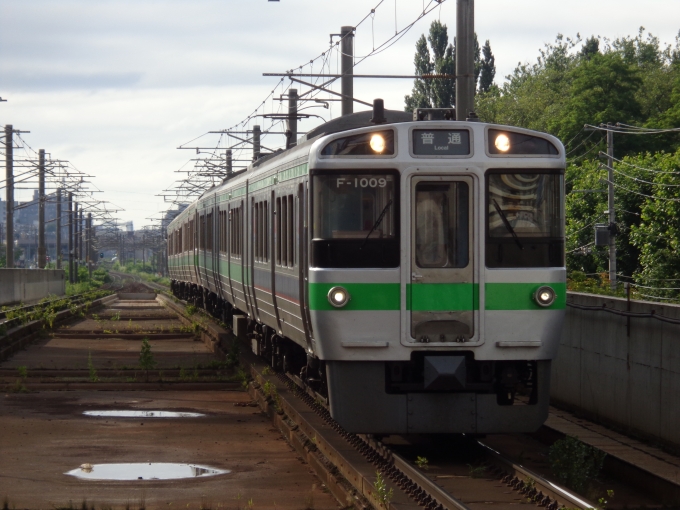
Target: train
x: 406, y: 268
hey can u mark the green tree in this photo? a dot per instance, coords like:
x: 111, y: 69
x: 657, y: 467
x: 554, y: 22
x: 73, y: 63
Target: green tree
x: 438, y: 58
x: 487, y: 68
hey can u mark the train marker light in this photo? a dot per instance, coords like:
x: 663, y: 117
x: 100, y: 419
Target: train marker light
x: 544, y: 296
x: 502, y: 143
x: 338, y: 297
x: 377, y: 143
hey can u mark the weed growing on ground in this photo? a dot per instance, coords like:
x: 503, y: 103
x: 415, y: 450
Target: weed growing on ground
x: 183, y: 374
x: 422, y: 463
x: 190, y: 309
x: 146, y: 359
x: 267, y: 371
x: 603, y: 502
x: 23, y: 371
x: 115, y: 316
x: 90, y: 367
x: 477, y: 472
x: 234, y: 354
x: 243, y: 377
x: 574, y: 462
x: 384, y: 495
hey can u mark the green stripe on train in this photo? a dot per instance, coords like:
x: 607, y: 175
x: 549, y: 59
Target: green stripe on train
x: 439, y: 297
x: 520, y: 296
x: 436, y: 296
x: 364, y: 296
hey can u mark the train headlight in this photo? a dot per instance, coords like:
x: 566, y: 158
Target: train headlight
x: 338, y: 297
x: 377, y: 143
x: 544, y: 296
x: 502, y: 143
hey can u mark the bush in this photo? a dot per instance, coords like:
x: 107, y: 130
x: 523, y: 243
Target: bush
x: 575, y: 463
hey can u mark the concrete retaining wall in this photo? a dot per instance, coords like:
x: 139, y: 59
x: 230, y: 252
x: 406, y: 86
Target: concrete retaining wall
x: 30, y: 285
x: 630, y: 382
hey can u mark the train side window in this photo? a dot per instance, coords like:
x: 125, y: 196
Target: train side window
x: 210, y: 231
x: 265, y: 231
x: 278, y: 213
x: 284, y: 231
x: 291, y: 232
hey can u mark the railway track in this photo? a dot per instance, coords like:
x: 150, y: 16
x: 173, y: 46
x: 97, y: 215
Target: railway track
x: 359, y: 458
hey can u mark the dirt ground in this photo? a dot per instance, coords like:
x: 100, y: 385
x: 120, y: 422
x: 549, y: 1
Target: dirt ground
x: 44, y: 434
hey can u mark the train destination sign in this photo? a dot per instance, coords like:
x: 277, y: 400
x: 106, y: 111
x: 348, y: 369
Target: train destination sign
x: 441, y: 142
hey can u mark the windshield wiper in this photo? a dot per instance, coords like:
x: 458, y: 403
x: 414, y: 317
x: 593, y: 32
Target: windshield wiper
x: 377, y: 222
x: 507, y: 224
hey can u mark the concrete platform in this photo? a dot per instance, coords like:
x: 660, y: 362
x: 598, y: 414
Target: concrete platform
x: 643, y: 465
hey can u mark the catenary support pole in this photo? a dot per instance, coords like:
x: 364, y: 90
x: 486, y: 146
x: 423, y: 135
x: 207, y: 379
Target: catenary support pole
x: 76, y: 242
x: 610, y: 205
x: 9, y: 195
x: 229, y: 163
x: 465, y: 61
x: 256, y: 142
x: 70, y: 238
x: 42, y: 249
x: 347, y: 69
x: 58, y: 251
x: 81, y: 231
x: 89, y: 244
x: 292, y: 118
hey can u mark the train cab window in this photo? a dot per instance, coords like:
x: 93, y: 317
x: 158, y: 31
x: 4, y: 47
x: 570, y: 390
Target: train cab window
x: 525, y: 219
x: 442, y: 224
x: 355, y: 220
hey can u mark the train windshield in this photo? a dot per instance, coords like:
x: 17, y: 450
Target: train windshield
x: 355, y: 219
x: 525, y: 219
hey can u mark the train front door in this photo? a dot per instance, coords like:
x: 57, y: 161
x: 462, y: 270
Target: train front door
x: 442, y: 296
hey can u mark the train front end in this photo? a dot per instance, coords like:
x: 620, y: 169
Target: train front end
x: 437, y: 275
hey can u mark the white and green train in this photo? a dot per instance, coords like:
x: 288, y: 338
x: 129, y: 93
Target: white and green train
x: 411, y: 271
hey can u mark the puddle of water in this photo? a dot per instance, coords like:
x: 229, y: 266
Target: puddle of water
x: 142, y: 414
x: 144, y: 471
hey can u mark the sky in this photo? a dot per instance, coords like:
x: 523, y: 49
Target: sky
x: 115, y: 86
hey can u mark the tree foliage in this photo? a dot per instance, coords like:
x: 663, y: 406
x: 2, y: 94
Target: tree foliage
x: 439, y: 57
x: 632, y: 80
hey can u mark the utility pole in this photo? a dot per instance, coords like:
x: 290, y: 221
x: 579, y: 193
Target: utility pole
x: 9, y: 194
x: 292, y: 118
x: 58, y: 228
x: 70, y: 237
x: 465, y: 62
x: 610, y: 204
x: 256, y: 142
x: 229, y: 163
x: 347, y: 69
x: 42, y: 250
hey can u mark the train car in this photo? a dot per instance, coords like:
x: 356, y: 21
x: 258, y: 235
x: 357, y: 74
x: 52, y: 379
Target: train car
x: 406, y: 267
